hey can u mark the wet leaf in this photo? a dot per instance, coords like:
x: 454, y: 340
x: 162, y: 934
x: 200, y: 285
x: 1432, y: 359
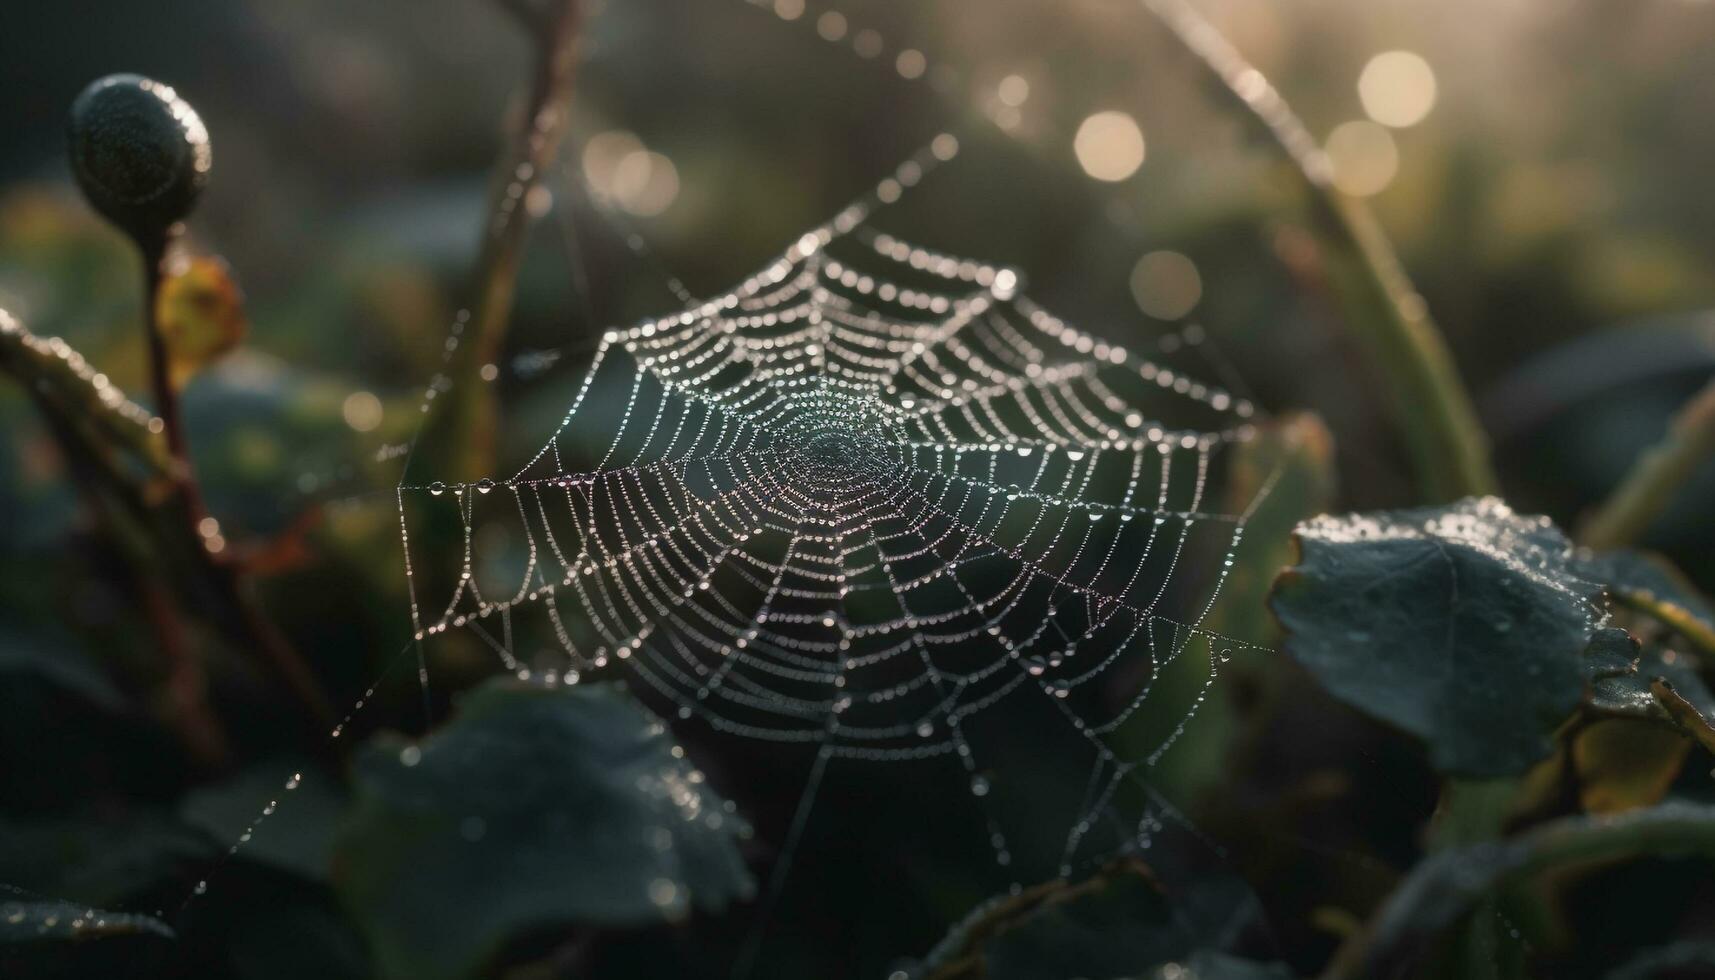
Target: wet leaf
x: 1447, y: 885
x: 1611, y: 653
x: 1657, y: 684
x: 44, y: 937
x: 1118, y: 922
x: 25, y: 920
x: 1684, y: 958
x: 533, y: 808
x: 1463, y: 625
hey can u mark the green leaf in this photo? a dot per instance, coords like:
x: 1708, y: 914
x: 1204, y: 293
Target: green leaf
x: 108, y: 858
x: 44, y: 937
x: 65, y: 667
x: 1657, y: 684
x: 1118, y: 922
x: 1463, y: 625
x: 1685, y: 957
x: 26, y: 920
x: 297, y: 836
x: 1612, y: 653
x: 1447, y: 885
x: 533, y: 808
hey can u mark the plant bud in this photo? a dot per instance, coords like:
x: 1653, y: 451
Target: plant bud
x: 139, y: 151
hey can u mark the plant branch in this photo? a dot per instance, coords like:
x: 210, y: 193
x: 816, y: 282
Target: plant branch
x: 461, y: 435
x: 94, y: 424
x: 1382, y: 310
x: 1660, y: 473
x: 244, y: 617
x: 1670, y: 614
x: 155, y: 255
x: 90, y: 420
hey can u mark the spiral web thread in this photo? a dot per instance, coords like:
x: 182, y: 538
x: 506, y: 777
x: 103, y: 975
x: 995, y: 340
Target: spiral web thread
x: 864, y: 497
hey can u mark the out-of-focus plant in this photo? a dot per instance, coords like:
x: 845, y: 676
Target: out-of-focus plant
x: 1558, y: 689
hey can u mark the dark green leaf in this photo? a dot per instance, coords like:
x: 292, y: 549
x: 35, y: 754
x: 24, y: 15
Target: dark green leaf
x: 535, y: 807
x: 44, y: 938
x: 1448, y: 884
x: 1116, y: 923
x: 282, y: 939
x: 105, y: 860
x: 24, y: 920
x: 1612, y: 653
x: 63, y: 665
x: 295, y: 835
x: 1685, y: 958
x: 1462, y: 625
x: 1658, y: 684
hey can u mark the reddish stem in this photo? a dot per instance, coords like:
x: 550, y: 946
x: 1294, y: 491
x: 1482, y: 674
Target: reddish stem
x: 251, y: 625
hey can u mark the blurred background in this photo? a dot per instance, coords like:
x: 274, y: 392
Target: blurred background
x: 1540, y: 167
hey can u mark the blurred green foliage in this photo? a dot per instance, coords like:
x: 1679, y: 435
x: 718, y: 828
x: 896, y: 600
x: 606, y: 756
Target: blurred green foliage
x: 1550, y: 210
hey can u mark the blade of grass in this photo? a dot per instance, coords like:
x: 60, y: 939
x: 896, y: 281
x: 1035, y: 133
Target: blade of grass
x: 458, y: 442
x: 1430, y: 405
x: 1660, y: 473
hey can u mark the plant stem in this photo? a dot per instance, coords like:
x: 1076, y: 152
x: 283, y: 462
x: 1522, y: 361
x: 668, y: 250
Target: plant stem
x: 1672, y: 615
x: 156, y: 253
x: 1657, y: 477
x: 247, y: 621
x: 1471, y: 810
x: 460, y: 438
x: 1382, y: 310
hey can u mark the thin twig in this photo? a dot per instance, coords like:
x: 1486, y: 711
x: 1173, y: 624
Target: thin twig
x: 1658, y: 476
x: 1382, y: 309
x: 155, y: 256
x: 1673, y: 615
x: 460, y: 438
x: 251, y: 628
x: 93, y: 425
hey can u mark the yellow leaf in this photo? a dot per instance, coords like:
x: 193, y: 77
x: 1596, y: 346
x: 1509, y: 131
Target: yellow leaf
x: 200, y: 310
x: 1624, y: 764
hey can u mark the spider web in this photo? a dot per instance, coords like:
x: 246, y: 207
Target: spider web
x: 865, y: 500
x: 867, y: 497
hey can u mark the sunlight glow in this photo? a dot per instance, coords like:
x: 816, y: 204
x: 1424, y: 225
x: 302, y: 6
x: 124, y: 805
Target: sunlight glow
x: 1166, y: 285
x: 1397, y: 89
x: 618, y: 166
x: 1109, y: 146
x: 362, y: 411
x: 1013, y: 90
x: 1363, y: 156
